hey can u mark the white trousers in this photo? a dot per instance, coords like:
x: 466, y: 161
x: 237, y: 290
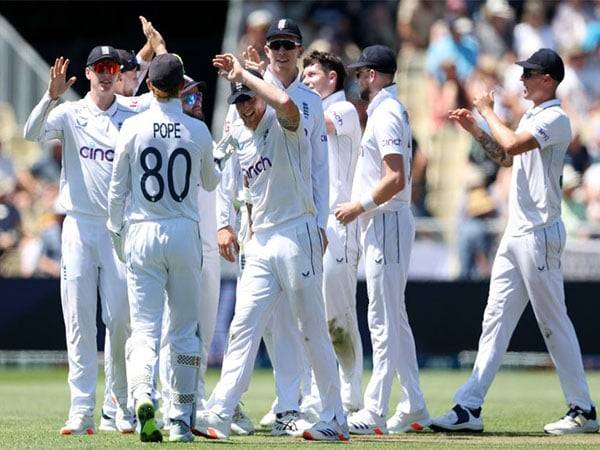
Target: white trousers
x: 89, y: 265
x: 387, y: 240
x: 528, y: 268
x: 340, y: 265
x: 286, y: 260
x: 207, y: 308
x: 164, y: 263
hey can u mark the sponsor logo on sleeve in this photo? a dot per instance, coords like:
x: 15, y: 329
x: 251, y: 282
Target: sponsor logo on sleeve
x: 338, y: 118
x: 323, y: 138
x: 542, y: 133
x: 305, y: 110
x: 391, y: 142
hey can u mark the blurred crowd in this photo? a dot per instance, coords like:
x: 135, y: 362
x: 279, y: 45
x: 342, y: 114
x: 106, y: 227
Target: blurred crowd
x: 448, y: 52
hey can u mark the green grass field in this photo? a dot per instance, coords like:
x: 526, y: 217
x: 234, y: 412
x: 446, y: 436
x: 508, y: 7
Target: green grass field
x: 34, y: 405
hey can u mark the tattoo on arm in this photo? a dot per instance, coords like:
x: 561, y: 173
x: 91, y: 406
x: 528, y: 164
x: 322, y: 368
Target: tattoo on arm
x: 494, y: 151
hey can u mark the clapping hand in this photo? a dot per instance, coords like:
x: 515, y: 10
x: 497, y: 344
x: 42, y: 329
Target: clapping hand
x: 252, y: 60
x: 229, y: 67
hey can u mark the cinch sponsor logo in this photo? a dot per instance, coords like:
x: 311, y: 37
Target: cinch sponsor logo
x: 390, y: 141
x: 257, y: 168
x: 97, y: 154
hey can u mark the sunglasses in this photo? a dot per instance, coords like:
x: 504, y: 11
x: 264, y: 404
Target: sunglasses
x: 286, y: 44
x: 190, y: 99
x: 109, y: 67
x: 528, y: 73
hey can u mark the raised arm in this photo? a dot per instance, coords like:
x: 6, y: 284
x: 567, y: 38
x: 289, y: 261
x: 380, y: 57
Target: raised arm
x: 40, y: 125
x: 230, y: 68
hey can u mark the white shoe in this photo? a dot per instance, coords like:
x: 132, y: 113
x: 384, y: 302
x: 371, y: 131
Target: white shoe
x: 268, y: 420
x: 145, y: 412
x: 210, y: 425
x: 107, y: 423
x: 179, y: 431
x: 125, y: 421
x: 241, y: 423
x: 575, y: 421
x: 459, y: 418
x: 289, y: 423
x: 79, y: 424
x: 327, y: 431
x: 366, y: 422
x: 310, y: 415
x: 404, y: 423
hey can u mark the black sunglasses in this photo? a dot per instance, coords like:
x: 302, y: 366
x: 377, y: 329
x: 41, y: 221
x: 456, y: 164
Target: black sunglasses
x: 528, y: 73
x: 286, y: 44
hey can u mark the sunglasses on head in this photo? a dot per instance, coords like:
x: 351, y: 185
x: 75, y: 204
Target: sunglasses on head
x: 528, y: 73
x: 190, y: 99
x: 109, y: 67
x: 286, y: 44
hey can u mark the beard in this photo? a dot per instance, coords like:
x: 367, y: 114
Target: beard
x: 364, y: 93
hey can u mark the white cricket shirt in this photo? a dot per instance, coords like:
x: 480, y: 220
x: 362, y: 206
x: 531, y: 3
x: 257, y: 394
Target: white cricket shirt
x: 387, y: 132
x: 535, y: 191
x: 275, y: 163
x: 162, y: 157
x: 89, y: 136
x: 343, y: 147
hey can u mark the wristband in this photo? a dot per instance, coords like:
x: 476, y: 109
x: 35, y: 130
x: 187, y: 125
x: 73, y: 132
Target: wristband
x: 367, y: 202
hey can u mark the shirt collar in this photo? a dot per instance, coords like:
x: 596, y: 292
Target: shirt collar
x: 383, y: 94
x: 170, y: 105
x: 272, y: 78
x: 338, y: 96
x: 539, y: 108
x: 112, y: 109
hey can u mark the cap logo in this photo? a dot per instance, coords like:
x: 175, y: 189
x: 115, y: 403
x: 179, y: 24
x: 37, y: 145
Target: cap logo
x: 105, y: 50
x: 281, y: 24
x: 238, y: 86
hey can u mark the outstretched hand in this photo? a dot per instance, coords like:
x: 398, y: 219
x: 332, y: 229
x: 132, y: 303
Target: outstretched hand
x: 465, y: 119
x: 229, y: 67
x: 58, y: 83
x: 252, y: 60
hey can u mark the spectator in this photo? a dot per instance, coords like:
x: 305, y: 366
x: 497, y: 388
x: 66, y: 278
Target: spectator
x: 494, y: 25
x: 570, y: 22
x: 533, y: 32
x: 457, y: 45
x: 573, y: 208
x: 475, y: 240
x: 414, y: 20
x: 591, y: 184
x: 257, y: 24
x: 10, y: 228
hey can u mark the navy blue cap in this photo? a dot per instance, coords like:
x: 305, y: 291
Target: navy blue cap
x: 284, y: 27
x: 166, y: 71
x: 547, y: 61
x: 103, y: 52
x: 240, y: 92
x: 377, y: 57
x: 128, y: 60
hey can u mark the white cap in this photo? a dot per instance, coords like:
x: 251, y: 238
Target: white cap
x: 499, y: 8
x: 259, y: 18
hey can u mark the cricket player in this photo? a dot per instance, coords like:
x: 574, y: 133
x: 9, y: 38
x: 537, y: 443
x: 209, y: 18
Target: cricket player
x: 527, y: 263
x: 88, y: 130
x: 325, y: 73
x: 134, y: 68
x: 283, y: 255
x: 283, y: 49
x: 381, y: 202
x: 162, y: 157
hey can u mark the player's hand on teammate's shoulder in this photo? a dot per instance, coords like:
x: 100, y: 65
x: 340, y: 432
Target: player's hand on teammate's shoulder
x: 58, y: 84
x: 228, y: 243
x: 229, y: 67
x: 347, y: 212
x: 251, y: 60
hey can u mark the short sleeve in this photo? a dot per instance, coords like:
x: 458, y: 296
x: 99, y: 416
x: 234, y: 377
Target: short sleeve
x: 344, y: 117
x: 549, y: 129
x: 390, y: 129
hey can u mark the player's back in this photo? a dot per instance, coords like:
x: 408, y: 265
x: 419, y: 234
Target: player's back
x: 167, y: 150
